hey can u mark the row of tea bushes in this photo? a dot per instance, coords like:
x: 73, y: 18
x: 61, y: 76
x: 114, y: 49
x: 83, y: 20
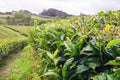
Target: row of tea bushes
x: 78, y: 48
x: 11, y: 46
x: 67, y: 54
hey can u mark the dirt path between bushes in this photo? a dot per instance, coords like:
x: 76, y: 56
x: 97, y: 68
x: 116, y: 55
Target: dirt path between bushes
x: 9, y: 62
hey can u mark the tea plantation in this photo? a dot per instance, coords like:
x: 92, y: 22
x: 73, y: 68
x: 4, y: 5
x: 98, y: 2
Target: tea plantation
x: 85, y: 47
x: 12, y: 40
x: 78, y: 48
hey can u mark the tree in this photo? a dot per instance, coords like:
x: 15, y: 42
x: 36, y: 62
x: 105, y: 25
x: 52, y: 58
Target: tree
x: 22, y: 17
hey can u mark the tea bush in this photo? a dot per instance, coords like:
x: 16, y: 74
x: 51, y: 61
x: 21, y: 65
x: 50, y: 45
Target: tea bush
x: 11, y: 46
x: 78, y: 48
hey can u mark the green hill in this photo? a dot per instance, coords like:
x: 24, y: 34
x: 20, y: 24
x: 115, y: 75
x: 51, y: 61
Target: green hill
x: 3, y: 18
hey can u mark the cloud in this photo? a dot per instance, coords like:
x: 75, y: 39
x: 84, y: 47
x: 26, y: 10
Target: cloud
x: 69, y: 6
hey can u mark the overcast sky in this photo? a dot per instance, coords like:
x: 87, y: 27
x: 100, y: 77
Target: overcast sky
x: 70, y: 6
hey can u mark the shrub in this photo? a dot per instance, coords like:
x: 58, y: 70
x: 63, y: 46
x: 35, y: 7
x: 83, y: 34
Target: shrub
x: 77, y: 49
x: 10, y: 47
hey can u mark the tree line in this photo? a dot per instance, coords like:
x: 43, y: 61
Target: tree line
x: 21, y: 17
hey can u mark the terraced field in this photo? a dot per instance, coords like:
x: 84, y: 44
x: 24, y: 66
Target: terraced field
x: 23, y: 30
x: 8, y: 33
x: 13, y: 32
x: 12, y: 39
x: 12, y: 55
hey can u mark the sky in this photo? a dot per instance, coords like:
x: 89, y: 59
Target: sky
x: 74, y: 7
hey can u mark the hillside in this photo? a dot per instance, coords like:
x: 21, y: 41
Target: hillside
x: 76, y: 48
x: 54, y: 13
x: 34, y: 16
x: 8, y: 32
x: 8, y: 18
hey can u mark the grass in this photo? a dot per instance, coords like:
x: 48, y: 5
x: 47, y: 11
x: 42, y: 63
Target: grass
x: 16, y: 66
x: 23, y: 30
x: 11, y: 15
x: 5, y: 15
x: 21, y: 68
x: 8, y: 33
x: 37, y: 17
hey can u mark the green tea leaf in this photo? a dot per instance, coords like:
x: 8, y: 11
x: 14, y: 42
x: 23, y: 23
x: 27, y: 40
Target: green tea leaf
x: 81, y: 68
x: 65, y: 67
x: 96, y: 25
x: 50, y: 73
x: 55, y: 53
x: 113, y: 42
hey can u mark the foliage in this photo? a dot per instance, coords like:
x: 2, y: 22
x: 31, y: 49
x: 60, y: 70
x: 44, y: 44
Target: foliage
x: 15, y: 19
x: 22, y: 70
x: 11, y: 46
x: 79, y: 48
x: 21, y: 66
x: 23, y: 30
x: 9, y: 32
x: 54, y: 13
x: 2, y: 21
x: 22, y: 17
x: 112, y: 17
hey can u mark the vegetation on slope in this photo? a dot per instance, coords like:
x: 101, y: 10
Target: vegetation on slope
x: 18, y: 66
x: 22, y: 17
x: 54, y: 13
x: 79, y: 48
x: 12, y: 40
x: 23, y: 30
x: 8, y: 33
x: 11, y: 46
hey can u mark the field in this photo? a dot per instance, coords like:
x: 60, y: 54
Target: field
x: 3, y: 16
x: 12, y: 39
x: 76, y: 48
x: 6, y: 31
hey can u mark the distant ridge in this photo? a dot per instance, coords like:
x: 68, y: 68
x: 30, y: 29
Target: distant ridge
x: 54, y: 13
